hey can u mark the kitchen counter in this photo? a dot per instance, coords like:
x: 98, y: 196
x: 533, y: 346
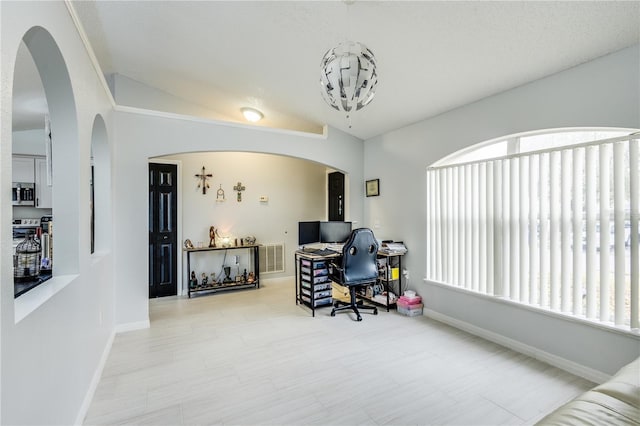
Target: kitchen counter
x: 22, y: 287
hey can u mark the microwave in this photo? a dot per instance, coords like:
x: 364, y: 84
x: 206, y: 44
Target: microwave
x: 23, y: 194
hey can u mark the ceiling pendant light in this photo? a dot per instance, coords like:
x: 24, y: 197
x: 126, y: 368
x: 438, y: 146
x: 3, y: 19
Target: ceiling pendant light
x: 252, y: 114
x: 348, y: 77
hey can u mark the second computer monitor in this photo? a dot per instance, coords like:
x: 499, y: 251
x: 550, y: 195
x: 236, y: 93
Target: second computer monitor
x: 334, y: 232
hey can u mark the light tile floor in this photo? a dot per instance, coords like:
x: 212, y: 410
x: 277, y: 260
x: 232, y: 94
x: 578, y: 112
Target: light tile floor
x: 253, y: 357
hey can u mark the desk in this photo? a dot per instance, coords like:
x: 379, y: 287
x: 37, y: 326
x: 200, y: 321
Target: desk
x: 312, y: 279
x: 221, y: 285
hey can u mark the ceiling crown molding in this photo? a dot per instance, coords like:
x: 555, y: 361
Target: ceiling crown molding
x: 89, y: 50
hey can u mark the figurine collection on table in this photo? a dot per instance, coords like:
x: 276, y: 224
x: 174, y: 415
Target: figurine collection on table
x: 212, y: 280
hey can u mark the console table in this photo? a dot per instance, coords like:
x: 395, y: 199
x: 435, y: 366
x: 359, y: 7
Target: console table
x: 213, y: 287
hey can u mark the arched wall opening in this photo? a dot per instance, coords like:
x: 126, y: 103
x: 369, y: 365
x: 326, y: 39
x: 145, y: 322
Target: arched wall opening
x: 61, y: 152
x: 64, y: 147
x: 100, y: 188
x: 145, y: 135
x: 280, y: 191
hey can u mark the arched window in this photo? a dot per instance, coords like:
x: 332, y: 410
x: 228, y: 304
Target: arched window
x: 548, y: 219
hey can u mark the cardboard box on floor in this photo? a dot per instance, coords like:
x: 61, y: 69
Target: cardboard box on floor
x: 340, y: 292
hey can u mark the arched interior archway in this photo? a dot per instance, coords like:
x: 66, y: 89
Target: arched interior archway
x: 266, y: 210
x: 100, y: 187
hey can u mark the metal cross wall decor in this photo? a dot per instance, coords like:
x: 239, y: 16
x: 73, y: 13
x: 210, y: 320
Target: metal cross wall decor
x: 239, y: 188
x: 203, y: 177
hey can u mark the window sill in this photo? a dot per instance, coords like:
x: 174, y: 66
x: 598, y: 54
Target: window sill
x: 22, y: 287
x: 33, y: 299
x: 624, y: 330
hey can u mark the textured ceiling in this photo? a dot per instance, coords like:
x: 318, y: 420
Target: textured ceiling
x: 432, y: 56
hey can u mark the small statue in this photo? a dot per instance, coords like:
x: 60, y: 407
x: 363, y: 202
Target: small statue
x: 244, y: 276
x: 213, y: 233
x: 227, y: 272
x: 251, y: 278
x: 205, y: 279
x: 193, y: 283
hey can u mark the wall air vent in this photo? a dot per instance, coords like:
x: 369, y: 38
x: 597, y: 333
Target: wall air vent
x: 271, y: 258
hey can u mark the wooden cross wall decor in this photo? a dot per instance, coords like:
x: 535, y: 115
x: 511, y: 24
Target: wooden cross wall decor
x: 203, y: 177
x: 239, y: 188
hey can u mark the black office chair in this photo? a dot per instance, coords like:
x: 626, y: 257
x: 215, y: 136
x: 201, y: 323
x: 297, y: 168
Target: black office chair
x: 355, y: 268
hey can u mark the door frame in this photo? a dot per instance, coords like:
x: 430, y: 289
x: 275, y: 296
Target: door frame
x: 181, y: 290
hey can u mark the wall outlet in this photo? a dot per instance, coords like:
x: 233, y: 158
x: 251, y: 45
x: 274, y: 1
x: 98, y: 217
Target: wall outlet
x: 264, y: 198
x: 405, y: 273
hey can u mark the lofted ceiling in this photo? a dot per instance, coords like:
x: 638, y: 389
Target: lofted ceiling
x: 432, y: 56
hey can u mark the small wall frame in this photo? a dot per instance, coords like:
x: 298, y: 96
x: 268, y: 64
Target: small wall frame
x: 372, y: 188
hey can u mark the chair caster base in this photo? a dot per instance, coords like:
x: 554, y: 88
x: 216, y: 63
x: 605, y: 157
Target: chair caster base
x: 359, y: 318
x: 333, y: 313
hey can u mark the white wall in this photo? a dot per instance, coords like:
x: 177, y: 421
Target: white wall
x: 603, y: 92
x: 49, y: 359
x: 296, y: 190
x: 142, y: 135
x: 127, y: 91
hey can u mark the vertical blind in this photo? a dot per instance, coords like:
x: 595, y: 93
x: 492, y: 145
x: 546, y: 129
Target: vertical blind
x: 556, y: 229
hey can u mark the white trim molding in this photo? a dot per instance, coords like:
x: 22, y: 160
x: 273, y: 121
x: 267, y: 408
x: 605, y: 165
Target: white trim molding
x: 554, y: 360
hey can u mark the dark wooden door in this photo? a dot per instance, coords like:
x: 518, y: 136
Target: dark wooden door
x: 163, y: 232
x: 336, y: 196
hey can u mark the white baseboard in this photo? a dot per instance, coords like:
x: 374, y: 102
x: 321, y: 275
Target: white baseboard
x: 132, y: 326
x: 554, y: 360
x: 121, y: 328
x: 86, y: 403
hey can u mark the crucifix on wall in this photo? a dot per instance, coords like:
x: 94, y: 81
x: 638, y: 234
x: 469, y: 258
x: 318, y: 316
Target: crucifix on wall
x: 239, y: 188
x: 203, y: 180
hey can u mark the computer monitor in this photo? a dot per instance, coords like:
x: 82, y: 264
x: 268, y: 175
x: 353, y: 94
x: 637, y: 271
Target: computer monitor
x: 308, y: 232
x: 334, y: 232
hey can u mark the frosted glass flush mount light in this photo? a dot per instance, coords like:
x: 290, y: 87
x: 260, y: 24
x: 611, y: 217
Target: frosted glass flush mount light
x: 252, y: 114
x: 348, y: 77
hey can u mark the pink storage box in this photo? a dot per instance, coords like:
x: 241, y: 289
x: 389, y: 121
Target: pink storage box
x: 405, y: 305
x: 410, y: 300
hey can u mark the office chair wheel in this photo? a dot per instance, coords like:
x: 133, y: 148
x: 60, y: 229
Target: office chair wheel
x: 333, y: 313
x: 375, y: 311
x: 359, y: 318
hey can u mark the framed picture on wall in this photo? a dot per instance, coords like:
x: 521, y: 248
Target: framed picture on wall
x: 372, y: 187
